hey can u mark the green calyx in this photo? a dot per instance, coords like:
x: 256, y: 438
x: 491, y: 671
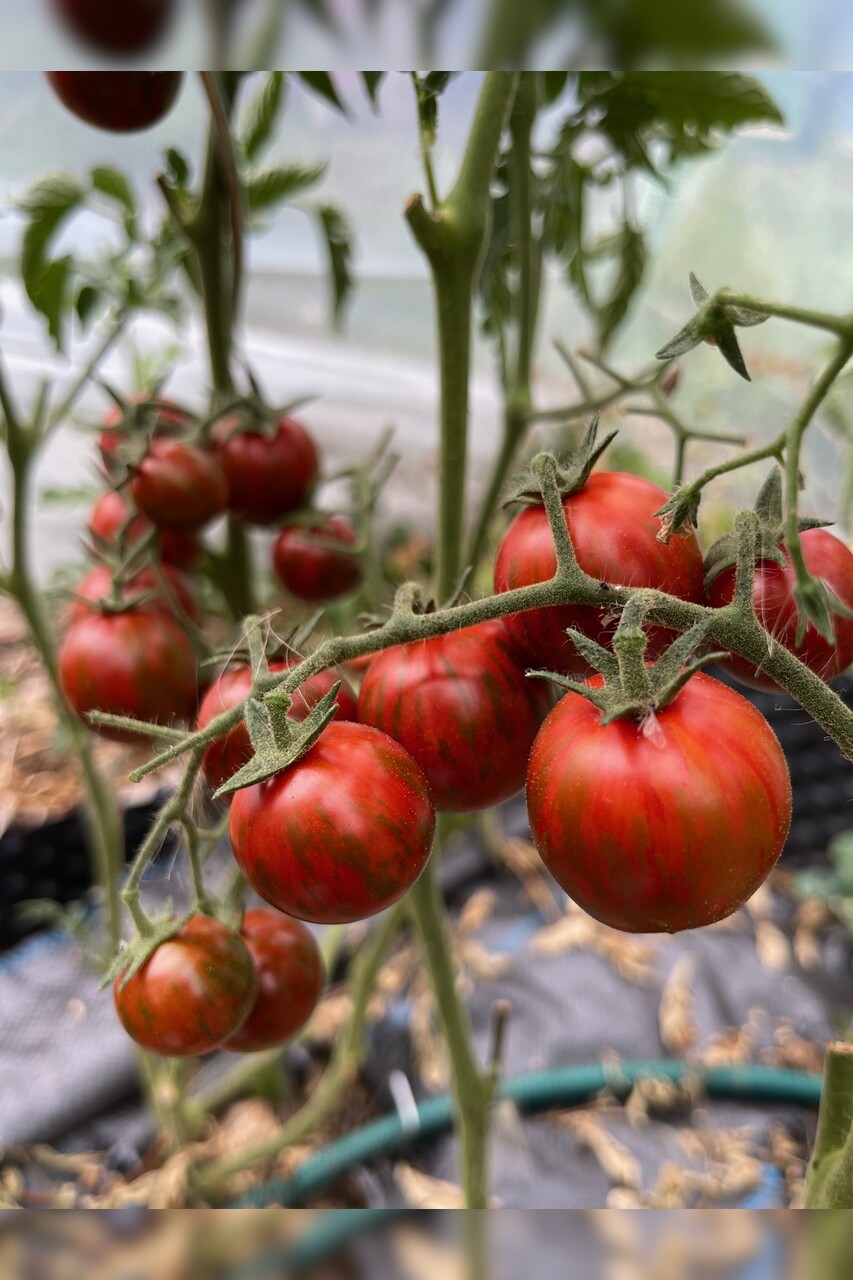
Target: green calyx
x: 715, y: 323
x: 573, y: 469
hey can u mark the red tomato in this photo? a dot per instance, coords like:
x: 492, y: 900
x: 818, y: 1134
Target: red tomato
x: 97, y: 586
x: 339, y: 835
x: 139, y: 663
x: 168, y: 420
x: 192, y: 993
x: 127, y: 28
x: 614, y: 532
x: 828, y: 560
x: 225, y: 756
x: 290, y: 973
x: 663, y: 825
x: 110, y: 515
x: 314, y: 572
x: 462, y: 708
x: 118, y: 101
x: 179, y: 486
x: 267, y: 476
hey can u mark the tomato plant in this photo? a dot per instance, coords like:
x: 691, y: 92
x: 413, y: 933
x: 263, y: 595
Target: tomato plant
x: 269, y: 473
x: 179, y: 486
x: 118, y: 101
x: 309, y: 566
x: 111, y: 516
x: 463, y: 708
x: 339, y: 835
x: 664, y: 823
x: 224, y: 757
x: 194, y: 991
x: 139, y: 416
x: 290, y: 973
x: 145, y: 586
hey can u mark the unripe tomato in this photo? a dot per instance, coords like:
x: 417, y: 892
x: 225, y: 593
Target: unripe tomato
x: 339, y: 835
x: 660, y: 825
x: 224, y: 757
x: 192, y: 993
x: 139, y: 663
x: 110, y: 515
x: 97, y: 587
x: 127, y: 28
x: 462, y: 708
x: 614, y: 532
x: 268, y: 476
x: 179, y: 486
x: 312, y: 571
x: 118, y: 101
x: 290, y: 973
x: 168, y: 420
x: 828, y: 560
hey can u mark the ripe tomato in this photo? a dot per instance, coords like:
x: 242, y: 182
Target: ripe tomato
x: 290, y: 973
x: 125, y: 29
x: 339, y: 835
x: 192, y: 993
x: 139, y: 663
x: 179, y: 486
x: 110, y: 515
x: 118, y: 101
x: 267, y: 476
x: 97, y: 586
x: 314, y: 572
x: 225, y: 756
x: 614, y: 532
x: 168, y: 420
x: 663, y: 825
x: 462, y: 708
x: 828, y: 560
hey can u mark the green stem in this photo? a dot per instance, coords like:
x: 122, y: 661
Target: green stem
x: 781, y: 311
x: 829, y: 1179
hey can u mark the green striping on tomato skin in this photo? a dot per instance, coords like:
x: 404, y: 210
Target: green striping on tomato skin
x: 664, y: 825
x: 463, y: 708
x: 339, y: 835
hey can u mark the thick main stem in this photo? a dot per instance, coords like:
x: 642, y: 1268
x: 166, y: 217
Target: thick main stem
x: 829, y: 1180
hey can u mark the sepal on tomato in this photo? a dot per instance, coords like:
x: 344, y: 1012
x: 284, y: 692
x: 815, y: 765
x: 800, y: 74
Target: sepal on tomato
x: 131, y: 958
x: 714, y: 323
x: 572, y: 472
x: 277, y: 740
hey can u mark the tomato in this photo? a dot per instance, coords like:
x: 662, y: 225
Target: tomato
x: 660, y: 825
x: 268, y: 476
x: 166, y: 419
x: 614, y: 531
x: 290, y: 973
x: 312, y: 571
x: 828, y: 560
x: 225, y: 756
x: 118, y: 101
x: 339, y: 835
x: 462, y: 708
x: 111, y: 514
x: 139, y: 663
x: 97, y: 586
x: 192, y: 993
x: 127, y: 28
x: 179, y: 486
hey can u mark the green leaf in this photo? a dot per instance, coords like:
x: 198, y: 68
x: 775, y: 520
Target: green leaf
x: 429, y: 89
x: 272, y: 186
x: 88, y: 300
x: 553, y: 84
x: 47, y: 204
x: 113, y: 184
x: 632, y: 266
x: 177, y: 168
x: 322, y: 84
x: 261, y: 114
x: 337, y: 238
x: 372, y: 82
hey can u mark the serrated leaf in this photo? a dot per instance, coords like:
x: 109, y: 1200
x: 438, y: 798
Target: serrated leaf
x: 272, y: 186
x: 632, y: 266
x: 372, y: 82
x: 114, y: 184
x: 47, y: 204
x: 261, y: 115
x: 337, y: 238
x: 321, y: 83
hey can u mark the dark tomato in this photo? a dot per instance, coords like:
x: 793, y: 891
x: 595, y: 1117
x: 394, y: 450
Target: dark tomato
x: 223, y: 758
x: 267, y: 476
x: 97, y: 586
x: 179, y: 486
x: 110, y: 516
x: 339, y: 835
x: 463, y: 708
x: 309, y: 567
x: 660, y: 825
x: 828, y: 560
x: 118, y: 101
x: 614, y: 531
x: 290, y: 973
x: 168, y: 420
x: 192, y: 993
x: 127, y: 28
x: 138, y: 663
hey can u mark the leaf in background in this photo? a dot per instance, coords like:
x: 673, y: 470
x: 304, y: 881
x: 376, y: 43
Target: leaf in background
x: 261, y: 114
x: 632, y: 265
x: 177, y: 168
x: 88, y: 301
x: 494, y: 289
x: 46, y: 205
x: 113, y: 184
x: 337, y: 237
x: 323, y: 84
x: 272, y: 186
x: 372, y: 83
x: 553, y: 84
x: 673, y: 32
x: 429, y: 89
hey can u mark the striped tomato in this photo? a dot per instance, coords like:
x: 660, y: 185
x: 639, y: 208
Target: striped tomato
x: 662, y: 825
x: 290, y: 973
